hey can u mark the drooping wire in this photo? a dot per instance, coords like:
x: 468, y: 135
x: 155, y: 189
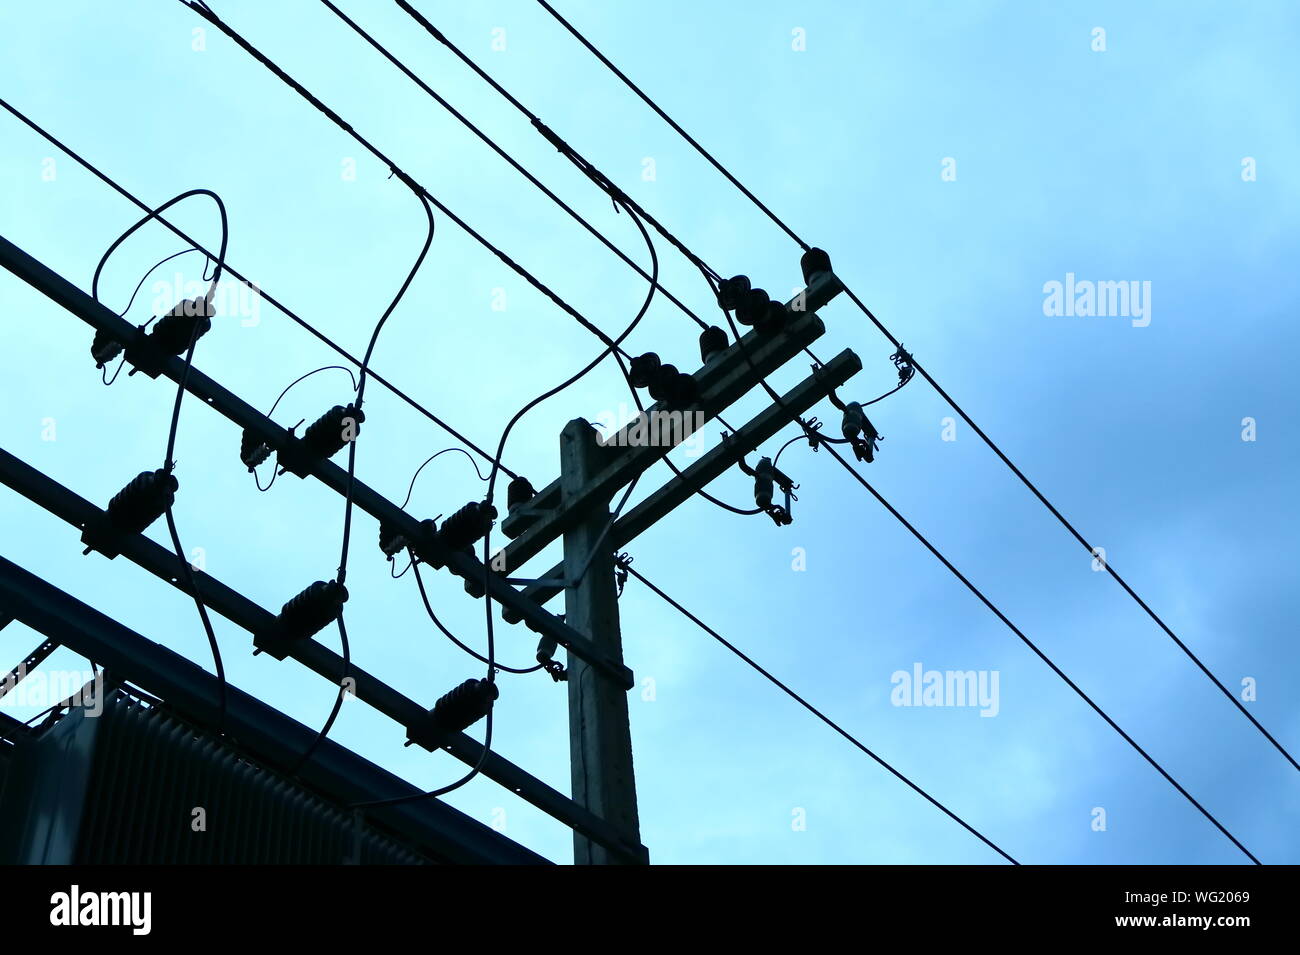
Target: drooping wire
x: 857, y: 476
x: 428, y: 608
x: 159, y: 264
x: 338, y: 702
x: 169, y: 463
x: 291, y: 384
x: 361, y: 383
x: 411, y: 488
x: 352, y: 454
x: 818, y: 713
x: 262, y: 293
x: 274, y: 471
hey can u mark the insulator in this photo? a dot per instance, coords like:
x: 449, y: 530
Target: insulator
x: 713, y: 341
x: 664, y: 383
x: 518, y: 492
x: 546, y: 648
x: 252, y: 450
x: 643, y: 369
x: 773, y: 319
x: 142, y: 501
x: 313, y: 610
x: 467, y: 525
x: 464, y: 706
x: 732, y: 291
x: 326, y: 436
x: 812, y: 262
x: 683, y: 390
x: 391, y: 541
x: 188, y: 321
x: 753, y: 307
x: 104, y: 348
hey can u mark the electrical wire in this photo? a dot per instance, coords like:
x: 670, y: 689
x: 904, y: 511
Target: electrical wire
x: 1191, y: 655
x: 338, y: 701
x: 274, y: 471
x: 262, y: 293
x: 156, y: 266
x: 428, y: 608
x: 468, y: 124
x: 611, y: 348
x: 361, y: 383
x: 853, y: 472
x: 351, y: 377
x: 668, y: 119
x: 819, y: 714
x: 169, y: 463
x: 205, y: 11
x: 411, y: 488
x: 564, y: 148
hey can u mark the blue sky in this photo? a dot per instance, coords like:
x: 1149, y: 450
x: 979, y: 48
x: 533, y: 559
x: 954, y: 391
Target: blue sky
x: 1123, y: 164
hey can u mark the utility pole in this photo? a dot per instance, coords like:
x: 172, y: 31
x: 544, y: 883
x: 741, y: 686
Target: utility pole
x: 600, y: 737
x: 576, y: 509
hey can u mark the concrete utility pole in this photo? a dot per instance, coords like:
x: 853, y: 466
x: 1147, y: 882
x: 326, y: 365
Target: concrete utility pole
x: 600, y: 738
x: 576, y: 508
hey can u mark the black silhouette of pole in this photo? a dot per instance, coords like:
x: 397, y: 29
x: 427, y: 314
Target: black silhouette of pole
x: 600, y: 737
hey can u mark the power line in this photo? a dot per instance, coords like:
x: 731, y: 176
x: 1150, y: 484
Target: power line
x: 939, y: 390
x: 818, y: 713
x: 1039, y: 653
